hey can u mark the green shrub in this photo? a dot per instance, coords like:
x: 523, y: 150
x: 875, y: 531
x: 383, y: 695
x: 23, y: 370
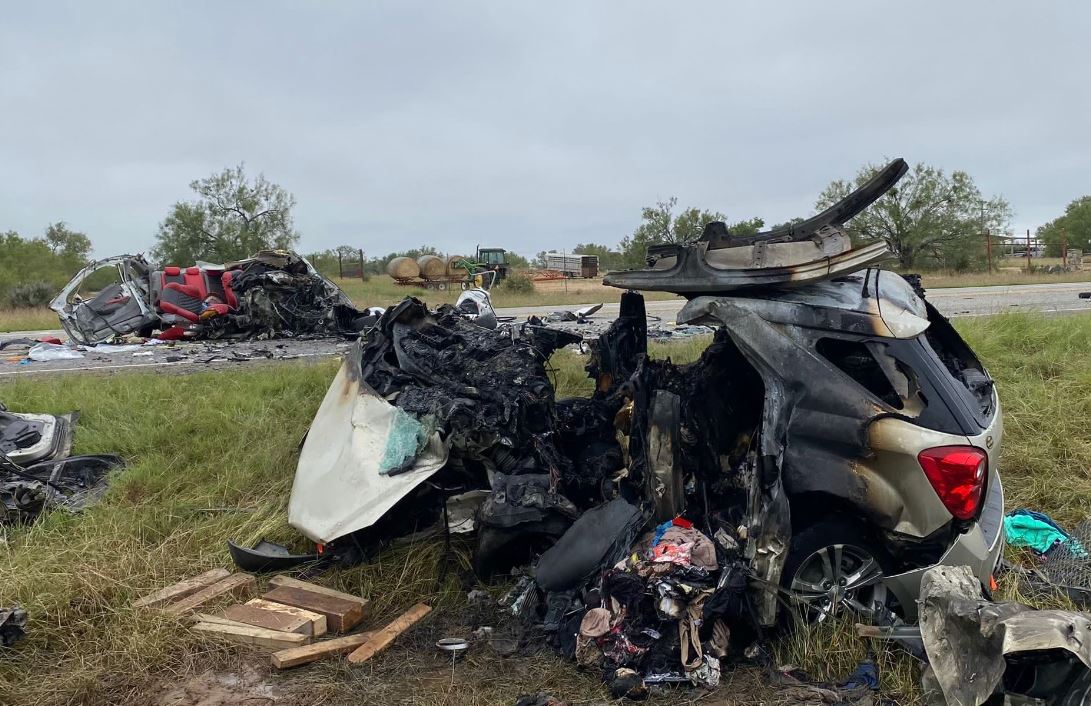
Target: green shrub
x: 31, y: 294
x: 516, y: 283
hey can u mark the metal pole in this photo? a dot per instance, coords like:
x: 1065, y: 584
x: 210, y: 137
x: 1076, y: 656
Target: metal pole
x: 564, y: 269
x: 1064, y: 247
x: 340, y: 269
x: 363, y: 278
x: 1028, y: 249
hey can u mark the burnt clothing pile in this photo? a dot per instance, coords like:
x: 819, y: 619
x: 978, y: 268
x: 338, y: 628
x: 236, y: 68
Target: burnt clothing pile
x: 661, y: 613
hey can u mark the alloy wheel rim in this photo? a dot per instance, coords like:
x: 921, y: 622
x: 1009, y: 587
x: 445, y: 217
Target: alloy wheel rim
x: 836, y: 578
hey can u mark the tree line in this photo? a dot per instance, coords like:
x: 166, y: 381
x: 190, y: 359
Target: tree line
x: 931, y: 220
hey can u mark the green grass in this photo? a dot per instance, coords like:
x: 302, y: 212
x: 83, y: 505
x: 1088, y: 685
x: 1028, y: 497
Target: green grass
x: 212, y: 455
x: 28, y: 319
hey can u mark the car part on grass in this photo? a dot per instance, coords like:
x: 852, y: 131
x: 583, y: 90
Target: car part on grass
x: 273, y: 293
x: 27, y: 438
x: 268, y: 557
x: 13, y: 623
x: 37, y: 472
x: 343, y: 481
x: 793, y: 255
x: 977, y: 649
x: 72, y: 483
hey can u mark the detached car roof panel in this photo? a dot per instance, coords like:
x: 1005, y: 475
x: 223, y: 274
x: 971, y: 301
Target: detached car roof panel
x: 794, y: 255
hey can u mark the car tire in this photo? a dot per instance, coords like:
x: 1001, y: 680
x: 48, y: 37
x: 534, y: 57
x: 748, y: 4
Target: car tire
x: 832, y: 568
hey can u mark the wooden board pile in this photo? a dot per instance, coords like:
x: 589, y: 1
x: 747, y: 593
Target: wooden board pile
x: 288, y: 618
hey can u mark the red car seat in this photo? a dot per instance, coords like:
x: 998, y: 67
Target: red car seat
x: 181, y: 300
x: 229, y: 294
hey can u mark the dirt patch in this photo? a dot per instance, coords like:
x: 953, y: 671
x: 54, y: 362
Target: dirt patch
x: 244, y: 687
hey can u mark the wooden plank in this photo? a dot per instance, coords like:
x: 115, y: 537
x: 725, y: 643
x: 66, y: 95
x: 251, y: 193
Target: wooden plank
x: 268, y: 619
x: 237, y: 585
x: 341, y: 615
x: 250, y: 635
x: 382, y: 639
x: 315, y: 588
x: 317, y: 620
x: 218, y: 619
x: 295, y: 656
x: 181, y: 589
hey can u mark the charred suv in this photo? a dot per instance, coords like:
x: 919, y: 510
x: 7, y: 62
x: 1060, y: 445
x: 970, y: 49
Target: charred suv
x: 862, y: 432
x: 835, y: 440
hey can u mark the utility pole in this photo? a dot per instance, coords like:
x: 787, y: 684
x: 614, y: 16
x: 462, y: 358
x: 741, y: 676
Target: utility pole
x: 989, y: 249
x: 988, y: 239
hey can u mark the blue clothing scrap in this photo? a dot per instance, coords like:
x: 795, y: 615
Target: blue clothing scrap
x: 1027, y: 528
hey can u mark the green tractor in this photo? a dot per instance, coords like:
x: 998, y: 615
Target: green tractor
x: 486, y: 261
x: 495, y: 260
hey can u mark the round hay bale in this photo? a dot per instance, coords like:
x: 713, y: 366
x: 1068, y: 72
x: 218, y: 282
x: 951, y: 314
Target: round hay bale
x: 403, y: 268
x: 452, y: 265
x: 432, y: 267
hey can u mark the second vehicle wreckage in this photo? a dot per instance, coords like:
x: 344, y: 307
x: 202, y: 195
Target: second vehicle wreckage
x: 835, y: 440
x: 273, y: 293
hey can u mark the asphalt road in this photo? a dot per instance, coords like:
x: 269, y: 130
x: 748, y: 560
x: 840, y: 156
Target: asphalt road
x: 1050, y: 299
x: 953, y: 302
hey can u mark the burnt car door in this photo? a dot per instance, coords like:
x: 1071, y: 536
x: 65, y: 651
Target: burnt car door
x: 107, y: 298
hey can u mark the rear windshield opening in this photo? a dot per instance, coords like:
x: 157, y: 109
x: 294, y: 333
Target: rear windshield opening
x: 855, y: 360
x: 959, y: 360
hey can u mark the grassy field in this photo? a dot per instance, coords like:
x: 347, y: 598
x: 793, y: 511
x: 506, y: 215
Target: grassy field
x: 28, y: 319
x: 211, y: 457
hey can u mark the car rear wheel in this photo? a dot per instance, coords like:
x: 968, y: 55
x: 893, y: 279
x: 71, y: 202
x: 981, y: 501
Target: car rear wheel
x: 834, y: 568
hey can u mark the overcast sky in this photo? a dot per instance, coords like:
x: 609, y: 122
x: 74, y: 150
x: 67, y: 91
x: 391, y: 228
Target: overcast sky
x: 528, y: 126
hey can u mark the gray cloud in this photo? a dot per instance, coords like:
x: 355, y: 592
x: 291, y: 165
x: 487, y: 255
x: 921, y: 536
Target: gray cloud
x: 529, y: 126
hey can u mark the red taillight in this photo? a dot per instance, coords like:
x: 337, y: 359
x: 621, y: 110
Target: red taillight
x: 958, y: 475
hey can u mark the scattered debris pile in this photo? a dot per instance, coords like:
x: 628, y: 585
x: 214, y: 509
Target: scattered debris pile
x: 36, y: 471
x: 421, y: 392
x: 274, y: 293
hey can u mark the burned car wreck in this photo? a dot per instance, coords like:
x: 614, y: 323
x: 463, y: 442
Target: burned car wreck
x: 273, y: 293
x: 834, y: 441
x: 729, y: 489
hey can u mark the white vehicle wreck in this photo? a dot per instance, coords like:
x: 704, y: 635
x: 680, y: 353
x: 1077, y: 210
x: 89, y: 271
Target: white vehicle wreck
x: 275, y: 293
